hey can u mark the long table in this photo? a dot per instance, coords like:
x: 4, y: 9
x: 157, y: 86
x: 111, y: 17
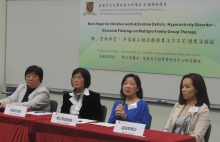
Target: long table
x: 17, y: 129
x: 40, y: 129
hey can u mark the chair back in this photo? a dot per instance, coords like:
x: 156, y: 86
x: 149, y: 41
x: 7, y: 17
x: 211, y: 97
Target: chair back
x: 9, y: 91
x: 150, y: 120
x: 104, y: 111
x: 53, y: 106
x: 207, y: 134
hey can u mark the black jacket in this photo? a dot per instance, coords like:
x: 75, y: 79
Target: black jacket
x: 91, y: 106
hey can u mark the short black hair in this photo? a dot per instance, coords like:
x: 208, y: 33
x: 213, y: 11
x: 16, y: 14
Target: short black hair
x: 85, y: 74
x: 36, y: 70
x: 199, y: 84
x: 138, y: 82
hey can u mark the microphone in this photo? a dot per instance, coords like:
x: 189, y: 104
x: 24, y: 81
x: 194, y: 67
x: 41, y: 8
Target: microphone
x: 123, y: 98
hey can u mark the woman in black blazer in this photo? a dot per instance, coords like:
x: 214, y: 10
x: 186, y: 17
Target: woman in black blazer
x: 82, y: 102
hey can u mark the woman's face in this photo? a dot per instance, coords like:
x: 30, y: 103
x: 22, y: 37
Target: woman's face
x: 78, y: 82
x: 130, y: 87
x: 188, y: 90
x: 32, y: 80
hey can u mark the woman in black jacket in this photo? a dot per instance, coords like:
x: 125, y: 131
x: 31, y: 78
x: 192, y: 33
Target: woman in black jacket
x: 82, y: 102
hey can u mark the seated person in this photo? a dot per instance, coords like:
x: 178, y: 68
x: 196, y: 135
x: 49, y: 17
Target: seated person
x: 190, y: 115
x: 82, y: 101
x: 33, y: 94
x: 134, y: 109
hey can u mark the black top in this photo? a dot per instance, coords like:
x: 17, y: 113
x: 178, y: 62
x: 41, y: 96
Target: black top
x: 28, y: 92
x: 91, y: 106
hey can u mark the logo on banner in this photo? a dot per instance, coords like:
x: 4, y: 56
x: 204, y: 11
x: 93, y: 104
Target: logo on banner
x: 89, y: 9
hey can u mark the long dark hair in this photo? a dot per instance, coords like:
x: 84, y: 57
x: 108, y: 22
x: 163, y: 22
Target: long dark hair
x: 199, y: 84
x: 138, y: 82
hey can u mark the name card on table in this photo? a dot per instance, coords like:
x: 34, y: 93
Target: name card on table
x: 15, y: 110
x: 129, y: 128
x: 65, y: 119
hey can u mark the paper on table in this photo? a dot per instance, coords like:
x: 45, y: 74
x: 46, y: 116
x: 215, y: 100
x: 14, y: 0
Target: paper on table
x: 104, y: 124
x: 83, y: 121
x: 38, y: 113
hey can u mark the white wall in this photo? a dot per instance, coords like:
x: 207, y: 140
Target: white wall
x: 2, y: 43
x: 159, y: 112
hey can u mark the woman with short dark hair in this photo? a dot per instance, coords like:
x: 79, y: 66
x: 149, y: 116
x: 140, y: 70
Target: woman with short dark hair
x: 33, y: 94
x: 82, y: 101
x: 134, y: 109
x: 190, y: 115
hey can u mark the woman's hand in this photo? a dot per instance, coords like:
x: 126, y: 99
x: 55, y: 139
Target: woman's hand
x: 3, y: 105
x: 120, y: 111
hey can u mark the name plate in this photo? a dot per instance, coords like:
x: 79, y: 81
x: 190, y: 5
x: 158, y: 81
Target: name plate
x: 15, y: 110
x: 65, y: 119
x: 129, y: 128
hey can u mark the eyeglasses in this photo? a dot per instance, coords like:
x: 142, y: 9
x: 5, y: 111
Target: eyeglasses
x: 31, y: 76
x: 77, y: 78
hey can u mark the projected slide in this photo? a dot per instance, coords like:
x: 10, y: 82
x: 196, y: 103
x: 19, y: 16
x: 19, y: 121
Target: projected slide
x: 165, y: 37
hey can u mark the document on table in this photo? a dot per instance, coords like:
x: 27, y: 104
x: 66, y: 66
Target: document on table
x: 104, y: 124
x: 38, y: 113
